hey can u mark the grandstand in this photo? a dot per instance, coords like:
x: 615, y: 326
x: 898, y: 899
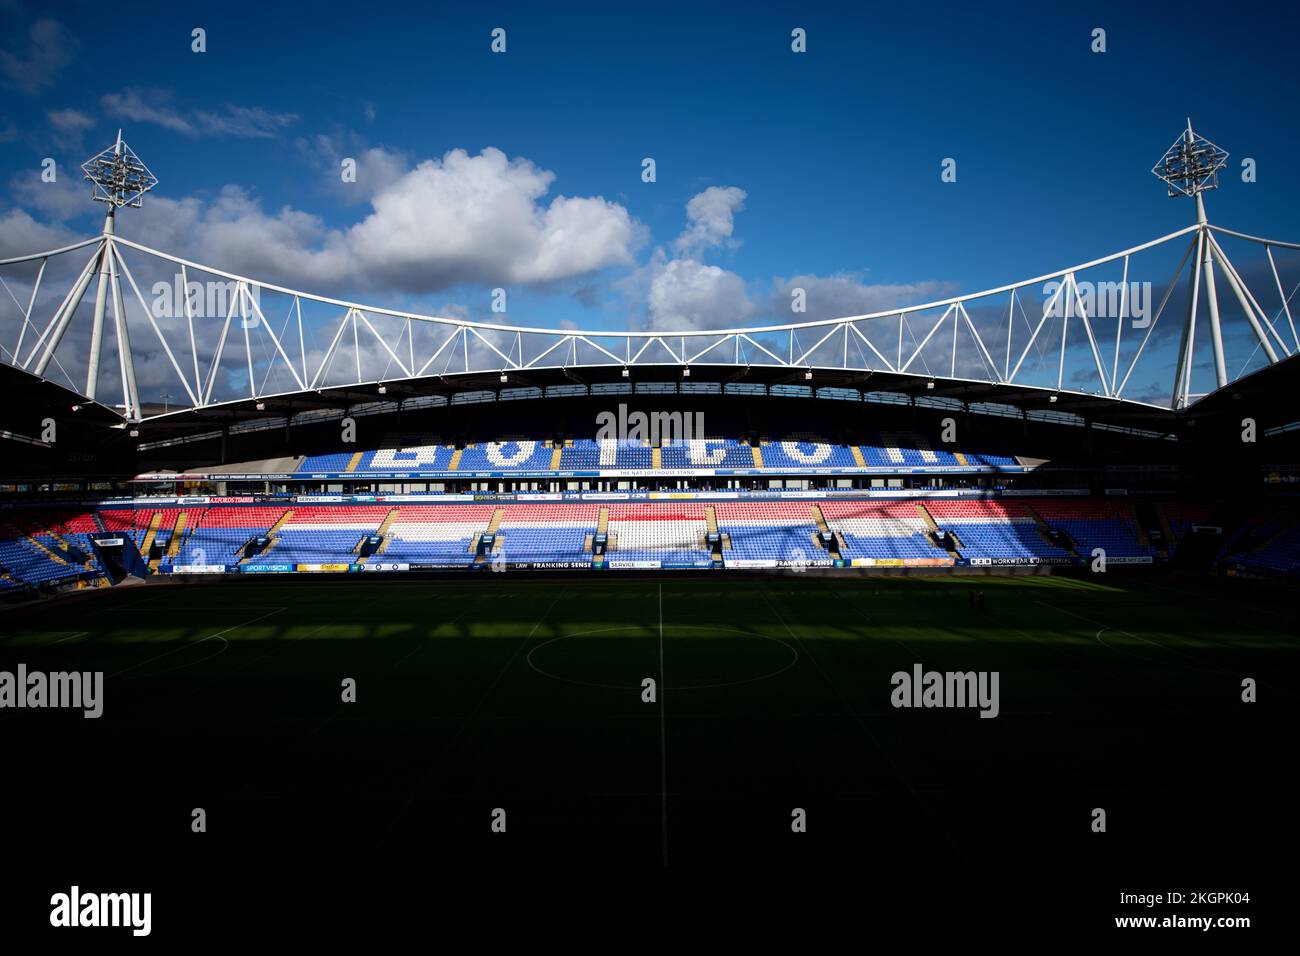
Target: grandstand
x: 436, y: 536
x: 909, y: 453
x: 890, y: 531
x: 871, y: 488
x: 649, y: 535
x: 542, y: 534
x: 758, y: 532
x: 44, y: 549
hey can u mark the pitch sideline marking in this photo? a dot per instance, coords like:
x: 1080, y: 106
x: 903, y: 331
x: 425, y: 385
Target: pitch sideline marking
x: 70, y: 636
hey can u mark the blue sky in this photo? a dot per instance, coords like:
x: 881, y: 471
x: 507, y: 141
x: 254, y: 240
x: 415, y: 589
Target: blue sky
x: 824, y: 165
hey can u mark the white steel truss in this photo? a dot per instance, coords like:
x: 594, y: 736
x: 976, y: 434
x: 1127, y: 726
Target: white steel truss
x: 936, y: 340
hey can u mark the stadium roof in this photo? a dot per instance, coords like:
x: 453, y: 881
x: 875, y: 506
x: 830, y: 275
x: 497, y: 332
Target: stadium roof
x: 1057, y: 339
x: 1269, y: 393
x: 650, y: 381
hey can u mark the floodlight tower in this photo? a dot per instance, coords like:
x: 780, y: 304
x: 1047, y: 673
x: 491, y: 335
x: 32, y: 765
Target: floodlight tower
x: 1190, y: 167
x: 118, y: 178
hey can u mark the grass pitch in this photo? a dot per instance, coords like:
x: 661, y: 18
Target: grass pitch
x: 526, y: 694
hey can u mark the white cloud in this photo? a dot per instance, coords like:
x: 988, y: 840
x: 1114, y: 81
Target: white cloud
x: 69, y: 127
x: 842, y: 294
x: 242, y: 121
x: 22, y: 235
x: 460, y: 219
x: 156, y: 106
x: 686, y: 294
x: 233, y: 233
x: 49, y: 46
x: 682, y: 292
x: 146, y: 106
x: 710, y: 218
x: 377, y: 167
x: 480, y: 219
x: 66, y: 198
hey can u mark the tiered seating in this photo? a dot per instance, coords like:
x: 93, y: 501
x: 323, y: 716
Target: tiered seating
x: 796, y: 455
x: 337, y: 461
x: 325, y: 535
x: 1267, y: 541
x: 583, y: 455
x: 767, y: 531
x: 990, y: 460
x: 1182, y: 515
x: 586, y: 454
x: 707, y: 453
x: 1278, y: 551
x: 436, y: 534
x: 134, y: 522
x: 62, y: 523
x: 1256, y: 529
x: 506, y: 456
x: 545, y: 533
x: 55, y: 529
x: 27, y: 563
x: 216, y: 535
x: 1108, y: 525
x: 791, y: 453
x: 906, y: 450
x: 993, y: 529
x: 78, y: 540
x: 406, y: 458
x: 880, y: 529
x: 663, y: 532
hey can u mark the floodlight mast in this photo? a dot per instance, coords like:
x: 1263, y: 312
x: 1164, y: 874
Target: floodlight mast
x: 118, y: 178
x: 1190, y: 167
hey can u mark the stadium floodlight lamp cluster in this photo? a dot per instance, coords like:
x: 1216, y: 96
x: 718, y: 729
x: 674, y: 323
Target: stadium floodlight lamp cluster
x: 118, y: 177
x: 1191, y: 166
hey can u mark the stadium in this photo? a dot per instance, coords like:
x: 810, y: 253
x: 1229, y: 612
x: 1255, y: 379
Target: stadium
x: 357, y: 576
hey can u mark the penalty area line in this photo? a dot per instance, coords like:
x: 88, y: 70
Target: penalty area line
x: 217, y: 636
